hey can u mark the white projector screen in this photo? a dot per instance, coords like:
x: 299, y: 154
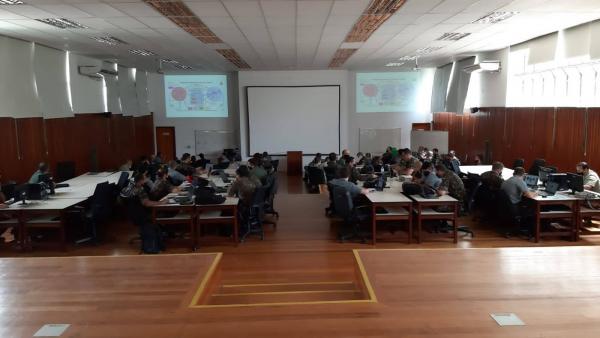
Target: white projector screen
x: 196, y: 95
x: 302, y: 118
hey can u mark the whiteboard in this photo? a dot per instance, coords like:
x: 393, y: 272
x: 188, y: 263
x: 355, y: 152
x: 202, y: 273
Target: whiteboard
x: 375, y: 141
x: 303, y: 118
x: 212, y: 142
x: 429, y: 139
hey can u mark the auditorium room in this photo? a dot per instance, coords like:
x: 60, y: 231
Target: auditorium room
x: 299, y: 168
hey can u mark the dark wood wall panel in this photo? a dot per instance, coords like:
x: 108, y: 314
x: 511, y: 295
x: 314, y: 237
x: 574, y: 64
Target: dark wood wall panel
x: 115, y: 138
x: 561, y: 136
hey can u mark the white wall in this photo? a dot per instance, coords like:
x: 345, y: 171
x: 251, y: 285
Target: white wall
x: 185, y: 127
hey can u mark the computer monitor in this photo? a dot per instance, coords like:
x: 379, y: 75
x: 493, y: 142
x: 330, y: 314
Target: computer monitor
x: 36, y: 191
x: 531, y: 180
x: 544, y: 172
x: 561, y: 179
x: 575, y: 182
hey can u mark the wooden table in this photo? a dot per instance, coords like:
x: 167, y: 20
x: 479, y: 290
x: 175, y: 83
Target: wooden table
x: 560, y: 198
x: 399, y: 208
x: 211, y: 214
x: 480, y: 169
x: 583, y: 211
x: 424, y: 210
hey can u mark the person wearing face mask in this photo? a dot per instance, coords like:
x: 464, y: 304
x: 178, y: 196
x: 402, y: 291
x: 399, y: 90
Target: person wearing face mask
x: 429, y: 177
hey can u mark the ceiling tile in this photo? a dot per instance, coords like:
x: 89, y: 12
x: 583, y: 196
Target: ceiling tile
x: 207, y: 9
x: 136, y: 9
x: 30, y: 12
x: 243, y: 8
x: 126, y: 22
x: 64, y: 11
x: 157, y: 22
x: 100, y: 10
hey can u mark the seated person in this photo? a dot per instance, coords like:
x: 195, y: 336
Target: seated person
x: 342, y: 181
x: 365, y: 160
x: 244, y: 185
x: 478, y: 160
x: 162, y: 187
x: 175, y: 176
x: 429, y: 176
x: 407, y: 163
x: 451, y: 183
x: 591, y: 181
x: 435, y: 156
x: 516, y: 188
x: 332, y: 161
x: 185, y: 167
x: 136, y: 189
x: 367, y: 173
x: 201, y: 162
x: 257, y: 169
x: 126, y: 166
x: 266, y: 157
x: 493, y: 179
x: 317, y: 162
x: 42, y: 170
x: 207, y: 195
x: 343, y: 158
x: 157, y: 159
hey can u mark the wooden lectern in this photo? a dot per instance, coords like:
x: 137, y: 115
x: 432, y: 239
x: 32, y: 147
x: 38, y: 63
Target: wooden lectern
x: 294, y: 163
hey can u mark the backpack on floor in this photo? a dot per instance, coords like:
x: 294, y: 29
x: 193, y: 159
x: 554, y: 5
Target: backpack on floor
x: 152, y: 239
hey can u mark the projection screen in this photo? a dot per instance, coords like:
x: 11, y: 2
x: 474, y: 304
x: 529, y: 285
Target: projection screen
x: 293, y: 118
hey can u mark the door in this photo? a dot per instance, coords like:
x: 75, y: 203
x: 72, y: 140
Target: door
x: 165, y: 142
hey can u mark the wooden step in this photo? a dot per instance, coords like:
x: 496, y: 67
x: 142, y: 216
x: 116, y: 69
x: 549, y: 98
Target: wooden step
x: 284, y: 297
x: 287, y: 287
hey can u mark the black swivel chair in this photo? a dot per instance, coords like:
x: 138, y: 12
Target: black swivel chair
x: 98, y: 212
x: 513, y: 222
x: 65, y: 171
x: 535, y: 167
x: 123, y: 180
x: 273, y: 186
x: 8, y: 189
x: 353, y: 217
x: 520, y: 162
x: 330, y: 172
x: 316, y: 176
x: 251, y: 217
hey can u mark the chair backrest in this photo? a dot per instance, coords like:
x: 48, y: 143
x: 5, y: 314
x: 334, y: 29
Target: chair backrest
x: 505, y: 205
x: 343, y: 202
x: 101, y: 202
x: 330, y: 172
x: 535, y: 166
x: 65, y: 171
x: 8, y: 189
x: 316, y: 175
x: 519, y: 163
x: 136, y: 212
x: 123, y: 180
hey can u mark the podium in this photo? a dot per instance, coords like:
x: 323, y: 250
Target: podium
x: 294, y: 163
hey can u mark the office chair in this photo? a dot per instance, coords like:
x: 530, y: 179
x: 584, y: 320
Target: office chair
x: 472, y: 184
x: 330, y: 210
x: 520, y: 162
x: 353, y: 217
x: 275, y: 164
x: 98, y: 212
x: 273, y: 186
x: 330, y: 173
x: 251, y: 218
x: 316, y: 176
x: 65, y: 171
x: 535, y: 167
x: 510, y: 213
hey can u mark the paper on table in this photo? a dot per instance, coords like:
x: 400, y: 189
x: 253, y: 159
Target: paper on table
x: 507, y: 319
x: 52, y: 330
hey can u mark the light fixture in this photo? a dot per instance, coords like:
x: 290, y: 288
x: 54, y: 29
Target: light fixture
x: 62, y: 23
x: 173, y: 62
x: 142, y: 52
x: 495, y: 17
x: 183, y: 67
x: 407, y: 58
x: 452, y: 36
x: 109, y: 40
x: 426, y: 50
x: 394, y: 64
x: 11, y: 2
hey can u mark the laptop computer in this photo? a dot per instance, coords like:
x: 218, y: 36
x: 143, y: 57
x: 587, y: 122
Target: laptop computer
x: 551, y: 189
x: 531, y: 181
x: 218, y: 189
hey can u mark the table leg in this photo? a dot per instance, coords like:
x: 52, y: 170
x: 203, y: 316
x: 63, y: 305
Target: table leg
x: 419, y: 220
x: 373, y: 224
x: 194, y: 231
x: 63, y: 232
x: 575, y: 221
x: 537, y: 222
x: 235, y: 225
x: 410, y: 229
x: 454, y: 227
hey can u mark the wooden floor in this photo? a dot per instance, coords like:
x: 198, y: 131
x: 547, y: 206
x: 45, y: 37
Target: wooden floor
x: 429, y: 290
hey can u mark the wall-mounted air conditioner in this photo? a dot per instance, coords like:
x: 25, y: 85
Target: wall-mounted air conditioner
x: 483, y: 66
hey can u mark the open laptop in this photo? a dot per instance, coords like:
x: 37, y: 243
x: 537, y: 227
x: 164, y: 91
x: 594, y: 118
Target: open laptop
x: 551, y: 189
x: 218, y: 190
x: 531, y: 181
x: 224, y: 177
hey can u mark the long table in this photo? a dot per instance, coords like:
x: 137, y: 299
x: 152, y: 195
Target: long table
x: 397, y: 205
x: 480, y: 169
x: 50, y: 213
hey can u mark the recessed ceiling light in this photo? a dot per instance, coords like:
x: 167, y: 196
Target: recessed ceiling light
x: 109, y: 40
x: 142, y: 52
x: 169, y: 61
x: 394, y: 64
x: 452, y: 36
x: 426, y: 50
x: 11, y: 2
x: 496, y: 17
x: 62, y: 23
x: 407, y: 58
x: 183, y: 67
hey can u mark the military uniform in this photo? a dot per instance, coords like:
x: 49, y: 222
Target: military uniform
x: 454, y: 185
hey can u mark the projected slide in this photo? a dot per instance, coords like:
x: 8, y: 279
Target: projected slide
x: 196, y: 95
x: 386, y: 92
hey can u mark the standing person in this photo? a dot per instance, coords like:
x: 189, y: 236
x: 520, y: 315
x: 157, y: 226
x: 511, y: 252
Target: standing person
x: 591, y: 181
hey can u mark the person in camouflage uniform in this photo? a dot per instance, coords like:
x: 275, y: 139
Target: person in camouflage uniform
x: 451, y: 183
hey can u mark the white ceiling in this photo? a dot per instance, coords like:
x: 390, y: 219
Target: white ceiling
x: 289, y: 34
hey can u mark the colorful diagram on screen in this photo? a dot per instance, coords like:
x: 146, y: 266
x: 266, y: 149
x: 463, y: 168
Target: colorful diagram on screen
x: 196, y: 95
x: 386, y: 92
